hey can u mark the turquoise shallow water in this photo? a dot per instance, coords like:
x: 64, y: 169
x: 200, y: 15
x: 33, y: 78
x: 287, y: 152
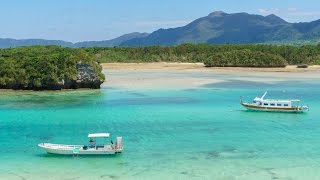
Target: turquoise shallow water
x: 196, y: 133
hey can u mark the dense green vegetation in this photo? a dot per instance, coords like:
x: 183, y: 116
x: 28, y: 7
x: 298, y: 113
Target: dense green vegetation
x: 42, y: 67
x: 245, y: 58
x: 267, y: 55
x: 54, y: 67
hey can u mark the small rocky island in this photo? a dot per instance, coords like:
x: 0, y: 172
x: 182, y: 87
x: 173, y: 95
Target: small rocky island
x: 48, y: 68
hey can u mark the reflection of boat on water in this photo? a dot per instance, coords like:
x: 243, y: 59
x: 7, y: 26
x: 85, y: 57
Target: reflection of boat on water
x: 274, y: 105
x: 91, y: 149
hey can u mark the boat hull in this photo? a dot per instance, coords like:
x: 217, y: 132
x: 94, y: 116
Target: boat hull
x: 274, y: 109
x: 77, y: 149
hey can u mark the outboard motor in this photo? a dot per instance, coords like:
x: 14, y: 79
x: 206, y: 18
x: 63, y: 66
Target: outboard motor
x: 119, y: 144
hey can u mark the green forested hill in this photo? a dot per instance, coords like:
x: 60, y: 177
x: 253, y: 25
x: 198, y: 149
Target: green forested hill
x: 238, y: 28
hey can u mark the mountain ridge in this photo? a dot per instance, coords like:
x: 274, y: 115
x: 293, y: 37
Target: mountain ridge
x: 112, y: 42
x: 10, y: 42
x: 216, y: 28
x: 237, y: 28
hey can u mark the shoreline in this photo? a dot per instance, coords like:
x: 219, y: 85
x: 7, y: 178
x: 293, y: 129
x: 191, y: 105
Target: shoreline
x: 187, y: 75
x: 6, y: 91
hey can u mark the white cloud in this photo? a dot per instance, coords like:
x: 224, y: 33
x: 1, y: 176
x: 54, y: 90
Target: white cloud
x: 292, y: 9
x: 269, y: 11
x: 163, y: 23
x: 292, y: 13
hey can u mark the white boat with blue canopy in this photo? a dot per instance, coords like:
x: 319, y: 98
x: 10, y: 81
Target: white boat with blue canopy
x: 274, y: 105
x: 91, y: 149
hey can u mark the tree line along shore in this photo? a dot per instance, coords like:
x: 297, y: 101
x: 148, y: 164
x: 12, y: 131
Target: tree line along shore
x: 55, y: 67
x: 254, y: 55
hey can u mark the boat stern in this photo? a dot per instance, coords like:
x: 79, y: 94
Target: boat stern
x: 304, y: 108
x: 119, y: 145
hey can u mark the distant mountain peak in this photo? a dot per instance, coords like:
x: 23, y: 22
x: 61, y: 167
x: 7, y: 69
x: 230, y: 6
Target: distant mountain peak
x: 234, y: 28
x: 275, y: 19
x: 272, y: 16
x: 217, y: 14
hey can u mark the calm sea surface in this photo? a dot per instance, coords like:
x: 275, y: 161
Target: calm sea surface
x: 196, y: 133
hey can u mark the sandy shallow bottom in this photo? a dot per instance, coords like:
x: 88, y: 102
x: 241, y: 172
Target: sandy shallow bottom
x: 225, y: 170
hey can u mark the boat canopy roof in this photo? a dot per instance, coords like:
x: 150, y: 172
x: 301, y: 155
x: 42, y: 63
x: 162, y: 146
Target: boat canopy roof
x: 281, y: 100
x: 97, y: 135
x: 274, y: 100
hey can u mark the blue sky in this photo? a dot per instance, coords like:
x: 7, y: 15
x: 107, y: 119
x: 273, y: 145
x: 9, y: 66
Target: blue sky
x: 79, y: 20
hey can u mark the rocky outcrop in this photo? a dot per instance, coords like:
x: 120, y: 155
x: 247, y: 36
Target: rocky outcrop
x: 86, y: 78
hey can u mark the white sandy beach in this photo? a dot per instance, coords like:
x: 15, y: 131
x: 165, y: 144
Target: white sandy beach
x: 200, y: 66
x: 188, y: 75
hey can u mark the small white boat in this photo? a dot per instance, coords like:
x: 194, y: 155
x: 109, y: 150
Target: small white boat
x: 91, y: 149
x: 274, y: 105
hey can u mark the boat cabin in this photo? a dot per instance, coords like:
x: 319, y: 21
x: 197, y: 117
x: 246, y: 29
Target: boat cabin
x: 260, y: 101
x: 274, y: 103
